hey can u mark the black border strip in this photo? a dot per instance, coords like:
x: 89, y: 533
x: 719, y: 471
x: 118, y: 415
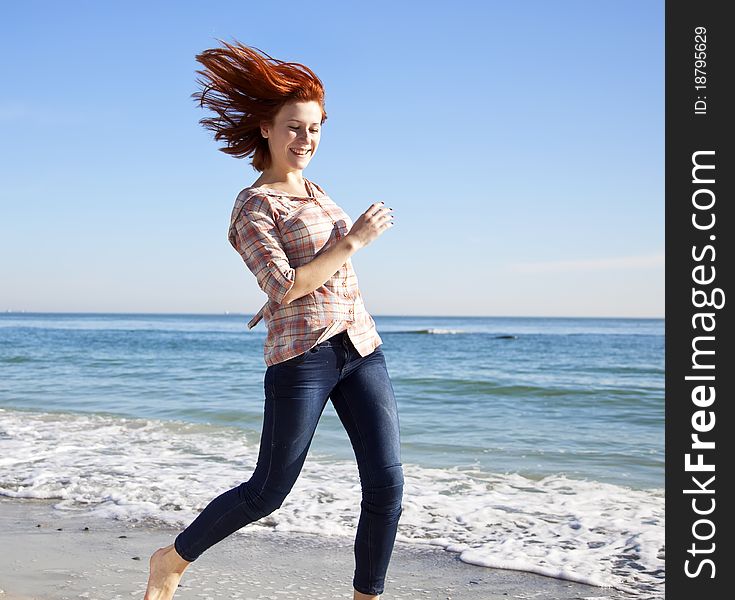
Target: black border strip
x: 699, y: 331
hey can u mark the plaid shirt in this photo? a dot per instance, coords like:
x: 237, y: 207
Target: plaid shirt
x: 275, y: 232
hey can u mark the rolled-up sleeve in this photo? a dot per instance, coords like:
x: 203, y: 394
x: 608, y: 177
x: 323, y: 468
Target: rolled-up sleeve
x: 253, y: 233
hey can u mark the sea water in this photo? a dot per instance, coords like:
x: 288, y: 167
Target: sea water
x: 527, y: 443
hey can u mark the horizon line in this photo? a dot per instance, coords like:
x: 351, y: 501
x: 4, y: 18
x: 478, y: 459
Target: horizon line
x: 245, y: 314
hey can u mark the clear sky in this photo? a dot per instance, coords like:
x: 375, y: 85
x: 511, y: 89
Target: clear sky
x: 520, y: 145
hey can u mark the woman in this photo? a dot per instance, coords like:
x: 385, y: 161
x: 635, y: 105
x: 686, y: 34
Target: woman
x: 321, y: 342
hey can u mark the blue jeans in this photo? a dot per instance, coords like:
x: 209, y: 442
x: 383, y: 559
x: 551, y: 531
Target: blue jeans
x: 296, y: 392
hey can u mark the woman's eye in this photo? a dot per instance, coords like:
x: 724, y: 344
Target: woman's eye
x: 296, y: 129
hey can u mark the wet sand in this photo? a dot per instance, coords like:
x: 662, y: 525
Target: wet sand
x: 48, y: 554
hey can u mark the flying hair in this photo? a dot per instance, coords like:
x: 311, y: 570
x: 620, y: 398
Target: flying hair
x: 245, y: 87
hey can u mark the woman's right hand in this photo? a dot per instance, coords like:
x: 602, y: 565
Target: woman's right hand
x: 374, y: 221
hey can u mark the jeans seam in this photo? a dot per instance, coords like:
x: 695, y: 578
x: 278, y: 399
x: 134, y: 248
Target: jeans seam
x: 273, y: 428
x: 362, y: 443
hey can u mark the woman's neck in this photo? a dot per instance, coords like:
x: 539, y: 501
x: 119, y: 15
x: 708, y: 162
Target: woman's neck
x: 292, y: 183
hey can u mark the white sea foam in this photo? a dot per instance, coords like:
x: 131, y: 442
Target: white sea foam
x: 437, y: 331
x: 140, y: 470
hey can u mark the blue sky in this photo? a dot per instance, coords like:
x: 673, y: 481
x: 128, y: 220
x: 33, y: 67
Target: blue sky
x: 520, y: 144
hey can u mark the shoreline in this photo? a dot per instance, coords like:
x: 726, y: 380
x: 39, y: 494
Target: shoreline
x: 59, y: 554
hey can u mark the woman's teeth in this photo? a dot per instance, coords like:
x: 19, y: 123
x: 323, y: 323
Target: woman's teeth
x: 300, y: 152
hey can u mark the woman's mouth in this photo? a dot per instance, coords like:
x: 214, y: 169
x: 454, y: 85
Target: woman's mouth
x: 300, y: 152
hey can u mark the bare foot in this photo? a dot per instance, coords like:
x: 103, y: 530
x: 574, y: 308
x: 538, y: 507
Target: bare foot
x: 167, y: 567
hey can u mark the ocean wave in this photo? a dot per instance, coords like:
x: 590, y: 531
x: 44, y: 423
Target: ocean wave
x: 148, y: 470
x: 14, y: 360
x: 430, y: 331
x: 440, y: 331
x: 483, y: 388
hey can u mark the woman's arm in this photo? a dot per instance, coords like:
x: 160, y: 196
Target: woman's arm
x: 374, y: 221
x: 318, y: 271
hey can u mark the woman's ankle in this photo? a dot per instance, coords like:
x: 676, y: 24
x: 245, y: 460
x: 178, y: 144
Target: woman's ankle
x: 178, y: 563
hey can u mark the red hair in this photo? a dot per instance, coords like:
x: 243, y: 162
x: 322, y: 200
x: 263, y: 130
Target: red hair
x: 244, y: 87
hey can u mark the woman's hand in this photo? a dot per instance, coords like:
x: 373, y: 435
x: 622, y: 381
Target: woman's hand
x: 374, y: 221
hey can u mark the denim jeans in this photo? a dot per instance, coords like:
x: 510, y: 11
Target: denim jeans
x: 296, y: 393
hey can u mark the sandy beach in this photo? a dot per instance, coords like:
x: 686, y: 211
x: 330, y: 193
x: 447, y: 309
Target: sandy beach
x: 54, y: 555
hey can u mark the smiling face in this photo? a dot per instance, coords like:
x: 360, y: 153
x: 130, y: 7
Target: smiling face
x: 294, y: 135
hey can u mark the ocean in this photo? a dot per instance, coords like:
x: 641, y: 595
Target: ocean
x: 534, y: 444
